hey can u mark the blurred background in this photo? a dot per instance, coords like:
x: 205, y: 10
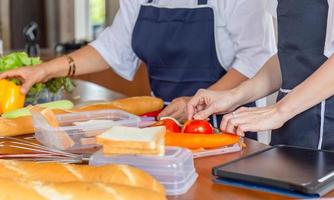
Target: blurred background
x: 59, y: 21
x: 63, y: 26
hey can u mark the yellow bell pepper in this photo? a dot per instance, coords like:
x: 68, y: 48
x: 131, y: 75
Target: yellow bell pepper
x: 3, y: 88
x: 11, y: 97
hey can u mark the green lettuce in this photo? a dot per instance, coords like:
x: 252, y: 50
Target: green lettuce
x: 21, y: 59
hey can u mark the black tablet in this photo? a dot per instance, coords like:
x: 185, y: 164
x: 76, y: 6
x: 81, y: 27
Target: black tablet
x: 296, y: 169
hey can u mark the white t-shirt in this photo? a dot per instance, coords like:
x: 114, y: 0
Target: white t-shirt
x: 329, y: 45
x: 244, y: 34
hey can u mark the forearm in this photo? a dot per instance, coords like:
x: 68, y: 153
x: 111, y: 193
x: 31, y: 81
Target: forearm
x: 230, y: 80
x: 316, y: 88
x: 265, y: 82
x: 86, y: 59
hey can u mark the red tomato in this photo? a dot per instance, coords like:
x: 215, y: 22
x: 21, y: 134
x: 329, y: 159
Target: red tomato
x: 197, y: 126
x: 170, y: 125
x: 151, y: 114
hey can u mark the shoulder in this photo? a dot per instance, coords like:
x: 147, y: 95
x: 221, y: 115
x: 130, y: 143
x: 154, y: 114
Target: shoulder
x: 130, y: 5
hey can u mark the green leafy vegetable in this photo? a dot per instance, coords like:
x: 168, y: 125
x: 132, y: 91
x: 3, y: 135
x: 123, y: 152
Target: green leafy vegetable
x: 21, y: 59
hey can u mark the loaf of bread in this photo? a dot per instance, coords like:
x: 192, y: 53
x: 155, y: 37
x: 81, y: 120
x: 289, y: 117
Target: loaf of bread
x: 17, y: 126
x: 134, y: 105
x: 37, y: 190
x: 57, y: 172
x: 21, y: 125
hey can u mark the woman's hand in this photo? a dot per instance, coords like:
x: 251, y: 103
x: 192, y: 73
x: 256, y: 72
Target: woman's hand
x: 254, y: 119
x: 208, y: 102
x: 27, y: 75
x: 176, y: 109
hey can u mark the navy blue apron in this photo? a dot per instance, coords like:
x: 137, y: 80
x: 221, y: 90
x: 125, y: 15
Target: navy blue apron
x: 301, y: 40
x: 178, y: 47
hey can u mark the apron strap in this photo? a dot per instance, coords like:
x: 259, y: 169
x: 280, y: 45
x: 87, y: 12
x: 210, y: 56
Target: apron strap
x: 202, y: 2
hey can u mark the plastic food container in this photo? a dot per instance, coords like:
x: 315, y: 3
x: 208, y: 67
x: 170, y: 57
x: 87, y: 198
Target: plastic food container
x: 73, y: 134
x: 175, y: 170
x: 218, y: 151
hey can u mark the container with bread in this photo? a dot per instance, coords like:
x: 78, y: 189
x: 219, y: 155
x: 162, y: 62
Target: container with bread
x: 175, y: 170
x: 19, y: 122
x: 116, y: 129
x: 143, y: 148
x: 77, y: 130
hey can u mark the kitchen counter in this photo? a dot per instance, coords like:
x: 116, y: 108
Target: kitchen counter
x: 204, y: 188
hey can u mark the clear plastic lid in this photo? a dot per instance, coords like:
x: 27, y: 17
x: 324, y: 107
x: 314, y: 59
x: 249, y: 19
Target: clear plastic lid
x: 219, y: 151
x: 78, y: 130
x: 175, y: 170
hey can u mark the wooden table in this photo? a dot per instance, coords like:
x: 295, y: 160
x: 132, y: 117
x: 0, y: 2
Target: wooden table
x: 205, y: 189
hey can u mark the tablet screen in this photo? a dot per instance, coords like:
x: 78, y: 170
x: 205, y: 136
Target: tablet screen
x: 283, y: 165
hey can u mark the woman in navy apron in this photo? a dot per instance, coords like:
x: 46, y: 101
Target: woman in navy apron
x: 307, y: 80
x: 178, y: 45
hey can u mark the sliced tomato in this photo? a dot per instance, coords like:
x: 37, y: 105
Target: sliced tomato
x: 170, y: 124
x: 198, y: 126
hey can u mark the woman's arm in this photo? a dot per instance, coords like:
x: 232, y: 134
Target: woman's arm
x: 267, y: 81
x: 87, y: 60
x: 231, y: 79
x: 206, y: 102
x: 178, y: 107
x: 317, y: 87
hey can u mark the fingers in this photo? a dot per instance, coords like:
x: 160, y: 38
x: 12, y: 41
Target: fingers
x: 225, y: 121
x: 239, y: 121
x: 204, y: 114
x: 172, y: 111
x: 201, y: 106
x: 16, y: 73
x: 168, y: 111
x: 180, y: 116
x: 26, y: 86
x: 249, y: 119
x: 177, y: 110
x: 240, y: 132
x: 230, y: 127
x: 11, y: 74
x: 192, y: 105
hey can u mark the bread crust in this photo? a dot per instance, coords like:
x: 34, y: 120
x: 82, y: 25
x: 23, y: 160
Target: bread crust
x: 37, y: 190
x: 62, y: 173
x: 134, y: 105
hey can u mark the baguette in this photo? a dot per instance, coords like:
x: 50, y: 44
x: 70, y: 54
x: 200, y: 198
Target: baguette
x: 134, y: 105
x: 37, y: 190
x: 21, y: 125
x: 57, y: 172
x: 17, y: 126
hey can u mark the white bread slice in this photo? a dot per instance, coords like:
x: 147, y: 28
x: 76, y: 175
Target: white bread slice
x: 128, y: 140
